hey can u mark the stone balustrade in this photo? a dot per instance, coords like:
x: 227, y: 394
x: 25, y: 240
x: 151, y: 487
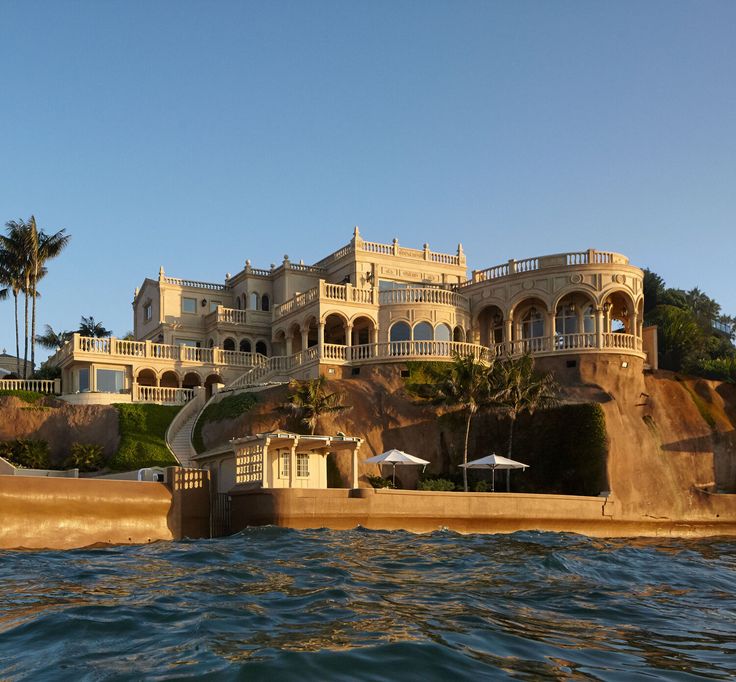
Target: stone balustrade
x: 223, y: 315
x: 431, y: 295
x: 47, y: 386
x: 194, y: 284
x: 162, y: 395
x: 325, y: 291
x: 120, y: 348
x: 512, y: 267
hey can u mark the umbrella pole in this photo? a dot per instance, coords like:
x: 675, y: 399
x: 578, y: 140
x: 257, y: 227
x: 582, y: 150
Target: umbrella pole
x: 493, y: 479
x: 393, y: 480
x: 508, y: 480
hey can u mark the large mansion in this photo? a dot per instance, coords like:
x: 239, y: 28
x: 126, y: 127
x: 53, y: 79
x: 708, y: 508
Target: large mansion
x: 363, y: 304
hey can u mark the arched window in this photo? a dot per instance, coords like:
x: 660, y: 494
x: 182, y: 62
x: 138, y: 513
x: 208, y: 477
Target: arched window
x: 566, y: 321
x: 265, y: 303
x: 442, y: 332
x: 589, y: 320
x: 423, y: 332
x: 458, y: 335
x: 245, y: 346
x: 261, y: 348
x: 254, y: 301
x: 237, y: 302
x: 400, y: 335
x: 532, y: 324
x: 228, y: 344
x: 211, y: 343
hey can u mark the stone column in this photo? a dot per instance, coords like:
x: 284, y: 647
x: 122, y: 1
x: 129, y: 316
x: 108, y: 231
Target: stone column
x: 508, y: 332
x: 599, y: 322
x: 549, y: 324
x: 305, y: 338
x: 292, y: 463
x: 354, y: 468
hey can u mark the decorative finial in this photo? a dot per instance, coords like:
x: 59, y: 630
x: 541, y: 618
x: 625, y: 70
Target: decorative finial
x: 161, y: 273
x: 247, y: 263
x: 135, y: 293
x: 356, y: 232
x: 227, y: 276
x: 395, y: 241
x: 273, y: 266
x: 426, y: 246
x: 459, y: 249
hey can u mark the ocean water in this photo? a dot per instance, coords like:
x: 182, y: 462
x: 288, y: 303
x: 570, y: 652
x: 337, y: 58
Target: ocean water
x: 277, y: 604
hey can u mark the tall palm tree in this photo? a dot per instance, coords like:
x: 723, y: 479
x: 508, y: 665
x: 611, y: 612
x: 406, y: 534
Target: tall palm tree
x: 88, y: 327
x: 519, y: 388
x: 462, y: 383
x: 44, y: 247
x: 14, y: 256
x: 51, y: 339
x: 308, y: 400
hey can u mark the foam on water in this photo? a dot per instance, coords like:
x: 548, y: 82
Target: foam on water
x: 272, y: 603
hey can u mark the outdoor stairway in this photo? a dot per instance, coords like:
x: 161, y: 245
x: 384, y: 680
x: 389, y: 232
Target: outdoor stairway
x: 181, y: 445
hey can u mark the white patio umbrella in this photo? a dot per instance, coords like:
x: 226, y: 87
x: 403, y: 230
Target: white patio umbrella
x: 396, y: 458
x: 494, y: 462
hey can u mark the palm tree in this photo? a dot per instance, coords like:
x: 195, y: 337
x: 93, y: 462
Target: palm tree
x: 88, y: 327
x: 44, y: 247
x: 14, y: 259
x: 519, y: 388
x: 52, y: 339
x: 309, y: 400
x: 464, y: 383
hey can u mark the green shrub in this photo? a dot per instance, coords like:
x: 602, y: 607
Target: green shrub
x: 228, y: 408
x: 437, y: 484
x: 380, y: 482
x: 482, y: 487
x: 143, y: 436
x: 85, y: 457
x: 26, y: 453
x: 31, y: 397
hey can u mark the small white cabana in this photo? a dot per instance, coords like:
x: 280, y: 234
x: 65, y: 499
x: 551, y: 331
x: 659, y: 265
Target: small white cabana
x: 494, y: 462
x: 289, y: 460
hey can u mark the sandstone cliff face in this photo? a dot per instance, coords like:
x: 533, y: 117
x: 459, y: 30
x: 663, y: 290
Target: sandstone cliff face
x: 671, y: 441
x: 60, y: 424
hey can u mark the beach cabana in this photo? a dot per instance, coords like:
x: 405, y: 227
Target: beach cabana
x: 397, y: 458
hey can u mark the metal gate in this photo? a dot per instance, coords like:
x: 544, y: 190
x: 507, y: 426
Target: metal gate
x: 219, y: 515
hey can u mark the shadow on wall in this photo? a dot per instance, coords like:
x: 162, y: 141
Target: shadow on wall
x: 721, y: 445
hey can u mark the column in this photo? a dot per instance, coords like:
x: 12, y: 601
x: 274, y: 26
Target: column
x: 508, y: 330
x: 305, y: 338
x: 354, y: 468
x: 549, y: 328
x: 292, y: 463
x: 599, y: 322
x: 348, y: 341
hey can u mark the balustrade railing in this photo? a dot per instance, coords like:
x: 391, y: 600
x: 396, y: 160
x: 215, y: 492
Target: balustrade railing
x: 432, y: 295
x: 227, y: 316
x: 622, y: 341
x: 163, y: 394
x: 48, y: 386
x: 589, y: 257
x: 194, y: 284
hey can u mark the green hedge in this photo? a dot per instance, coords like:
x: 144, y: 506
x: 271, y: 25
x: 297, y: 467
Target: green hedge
x: 31, y: 397
x: 230, y: 407
x: 27, y: 453
x: 143, y: 436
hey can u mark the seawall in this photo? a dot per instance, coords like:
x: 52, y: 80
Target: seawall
x: 424, y: 511
x: 57, y: 513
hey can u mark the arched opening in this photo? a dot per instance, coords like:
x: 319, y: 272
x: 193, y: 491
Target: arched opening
x: 265, y: 303
x: 254, y: 301
x: 442, y: 332
x: 211, y: 343
x: 191, y: 380
x: 312, y: 332
x: 237, y: 302
x: 228, y: 344
x: 490, y: 323
x: 169, y: 379
x: 146, y: 377
x: 245, y: 346
x: 209, y: 381
x: 458, y: 335
x: 400, y: 336
x: 295, y: 334
x: 362, y: 331
x: 335, y: 330
x: 618, y: 311
x: 278, y: 343
x: 423, y: 331
x: 530, y: 326
x: 261, y: 348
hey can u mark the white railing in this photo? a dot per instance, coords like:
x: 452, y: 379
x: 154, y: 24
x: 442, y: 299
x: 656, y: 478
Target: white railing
x: 49, y: 386
x: 589, y: 257
x: 159, y: 351
x: 432, y: 295
x: 226, y: 316
x: 163, y: 395
x: 296, y: 303
x: 194, y: 284
x: 333, y: 351
x: 621, y: 341
x: 325, y: 291
x: 573, y: 341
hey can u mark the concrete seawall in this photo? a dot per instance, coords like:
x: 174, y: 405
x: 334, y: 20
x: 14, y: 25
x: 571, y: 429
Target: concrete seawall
x: 57, y: 513
x: 423, y: 511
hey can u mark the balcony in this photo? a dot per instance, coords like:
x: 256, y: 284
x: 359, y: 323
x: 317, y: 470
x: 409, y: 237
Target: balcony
x: 325, y: 292
x: 429, y: 295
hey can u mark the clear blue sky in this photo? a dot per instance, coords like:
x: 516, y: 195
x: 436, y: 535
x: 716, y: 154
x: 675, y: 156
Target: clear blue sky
x: 198, y: 134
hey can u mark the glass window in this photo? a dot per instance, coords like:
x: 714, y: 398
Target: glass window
x: 400, y: 332
x: 254, y: 301
x: 245, y: 346
x: 302, y: 465
x: 388, y: 285
x: 189, y: 305
x: 566, y: 321
x: 83, y: 380
x: 589, y: 320
x: 148, y: 312
x: 423, y: 332
x: 110, y: 380
x: 532, y: 326
x: 442, y: 333
x: 285, y: 463
x: 265, y: 303
x: 261, y: 348
x: 213, y: 305
x: 186, y: 342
